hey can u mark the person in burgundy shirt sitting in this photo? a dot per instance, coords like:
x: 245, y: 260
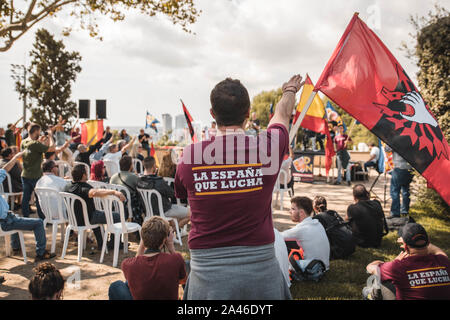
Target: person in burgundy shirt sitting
x: 152, y: 274
x: 421, y: 271
x: 229, y: 181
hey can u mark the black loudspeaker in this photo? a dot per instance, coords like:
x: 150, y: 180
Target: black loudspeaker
x: 84, y: 108
x: 100, y: 109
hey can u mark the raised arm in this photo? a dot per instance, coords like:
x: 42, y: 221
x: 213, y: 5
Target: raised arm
x: 11, y: 162
x: 285, y: 106
x: 128, y: 145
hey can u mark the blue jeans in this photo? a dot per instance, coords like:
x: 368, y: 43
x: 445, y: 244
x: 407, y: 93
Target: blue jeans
x: 13, y: 222
x: 119, y: 290
x: 347, y: 173
x: 28, y: 188
x: 401, y: 178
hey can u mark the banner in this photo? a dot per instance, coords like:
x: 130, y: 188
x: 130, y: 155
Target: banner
x: 365, y: 79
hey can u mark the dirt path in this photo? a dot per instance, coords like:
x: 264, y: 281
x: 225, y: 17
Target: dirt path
x: 95, y: 278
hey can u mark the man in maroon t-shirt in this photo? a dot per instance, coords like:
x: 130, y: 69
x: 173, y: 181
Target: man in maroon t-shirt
x: 342, y: 155
x: 152, y: 274
x: 420, y: 272
x: 229, y: 181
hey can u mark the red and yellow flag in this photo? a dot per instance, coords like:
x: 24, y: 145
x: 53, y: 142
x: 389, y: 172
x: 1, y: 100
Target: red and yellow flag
x: 91, y: 132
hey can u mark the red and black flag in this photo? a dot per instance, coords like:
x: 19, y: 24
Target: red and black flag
x: 364, y: 78
x: 189, y: 123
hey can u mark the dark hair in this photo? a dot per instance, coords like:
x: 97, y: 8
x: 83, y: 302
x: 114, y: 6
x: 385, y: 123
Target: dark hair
x: 154, y: 231
x: 6, y: 152
x: 167, y: 167
x: 148, y: 162
x: 111, y: 147
x: 33, y: 127
x: 360, y: 192
x: 48, y: 165
x: 46, y: 282
x: 125, y: 163
x: 230, y: 102
x: 9, y: 125
x: 320, y: 203
x: 304, y: 203
x: 78, y: 171
x: 49, y: 154
x: 334, y: 123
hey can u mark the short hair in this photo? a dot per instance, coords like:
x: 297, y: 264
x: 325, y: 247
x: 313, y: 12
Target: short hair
x: 304, y: 203
x: 111, y: 147
x: 6, y: 152
x: 46, y: 282
x: 9, y: 125
x: 372, y: 144
x: 48, y: 165
x: 34, y: 127
x: 148, y: 162
x: 230, y: 102
x: 154, y: 231
x: 77, y: 172
x: 320, y: 203
x: 360, y: 192
x: 125, y: 163
x: 49, y: 154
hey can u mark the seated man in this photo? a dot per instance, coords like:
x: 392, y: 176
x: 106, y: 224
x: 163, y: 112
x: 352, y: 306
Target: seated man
x: 421, y: 271
x: 16, y: 182
x: 152, y: 274
x: 52, y: 180
x: 151, y: 181
x: 366, y: 218
x: 9, y: 221
x: 81, y: 188
x: 309, y: 233
x: 374, y: 156
x: 127, y: 179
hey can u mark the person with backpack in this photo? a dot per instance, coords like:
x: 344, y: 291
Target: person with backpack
x: 342, y: 243
x: 366, y: 218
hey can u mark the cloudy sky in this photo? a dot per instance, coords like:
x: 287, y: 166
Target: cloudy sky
x: 147, y: 63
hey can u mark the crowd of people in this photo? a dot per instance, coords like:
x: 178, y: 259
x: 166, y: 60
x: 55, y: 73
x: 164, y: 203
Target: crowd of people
x: 234, y: 247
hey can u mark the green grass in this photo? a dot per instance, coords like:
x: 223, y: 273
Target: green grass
x: 346, y: 278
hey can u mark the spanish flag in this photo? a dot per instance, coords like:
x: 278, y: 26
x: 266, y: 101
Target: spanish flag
x: 315, y: 119
x: 153, y: 154
x: 91, y: 132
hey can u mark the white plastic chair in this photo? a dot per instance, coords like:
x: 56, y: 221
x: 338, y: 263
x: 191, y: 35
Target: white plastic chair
x: 9, y: 194
x: 63, y: 167
x: 69, y: 201
x: 98, y: 185
x: 111, y: 167
x: 135, y: 166
x: 127, y: 195
x: 88, y: 169
x: 47, y: 198
x: 146, y: 195
x: 171, y: 183
x: 120, y: 228
x: 282, y: 179
x: 7, y: 235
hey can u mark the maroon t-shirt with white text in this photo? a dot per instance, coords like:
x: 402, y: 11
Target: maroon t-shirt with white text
x: 419, y: 277
x: 230, y: 193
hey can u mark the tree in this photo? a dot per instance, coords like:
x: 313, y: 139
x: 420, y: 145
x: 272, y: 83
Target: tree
x: 261, y: 105
x: 17, y: 19
x: 432, y: 45
x: 52, y: 72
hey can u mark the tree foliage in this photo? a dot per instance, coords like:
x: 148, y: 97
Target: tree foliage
x: 261, y: 104
x: 431, y: 53
x: 51, y: 74
x: 17, y: 18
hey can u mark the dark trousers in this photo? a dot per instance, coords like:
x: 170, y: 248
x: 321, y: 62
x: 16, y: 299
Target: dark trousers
x: 119, y: 290
x: 369, y: 164
x: 98, y: 217
x: 401, y: 178
x: 28, y: 188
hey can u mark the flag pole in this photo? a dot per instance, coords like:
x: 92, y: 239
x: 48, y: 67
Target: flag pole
x: 297, y: 124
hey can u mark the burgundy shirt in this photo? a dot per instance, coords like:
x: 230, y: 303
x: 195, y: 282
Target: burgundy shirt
x: 339, y: 140
x: 419, y: 277
x: 74, y: 134
x: 229, y: 181
x: 154, y: 278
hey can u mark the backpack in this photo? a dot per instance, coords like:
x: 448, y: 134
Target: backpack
x: 137, y: 204
x: 339, y: 233
x: 305, y: 270
x: 396, y: 223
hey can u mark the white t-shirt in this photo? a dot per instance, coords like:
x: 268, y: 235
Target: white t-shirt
x: 113, y: 157
x: 52, y: 182
x: 375, y: 151
x: 312, y: 238
x: 282, y: 255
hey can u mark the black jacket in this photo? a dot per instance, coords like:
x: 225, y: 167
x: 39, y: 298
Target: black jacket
x: 159, y: 184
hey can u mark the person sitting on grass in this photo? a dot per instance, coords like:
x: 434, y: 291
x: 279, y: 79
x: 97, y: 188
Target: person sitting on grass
x: 47, y: 283
x: 9, y: 221
x: 308, y: 232
x: 152, y: 274
x: 421, y: 271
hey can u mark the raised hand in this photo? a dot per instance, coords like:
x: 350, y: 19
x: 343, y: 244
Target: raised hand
x: 421, y: 113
